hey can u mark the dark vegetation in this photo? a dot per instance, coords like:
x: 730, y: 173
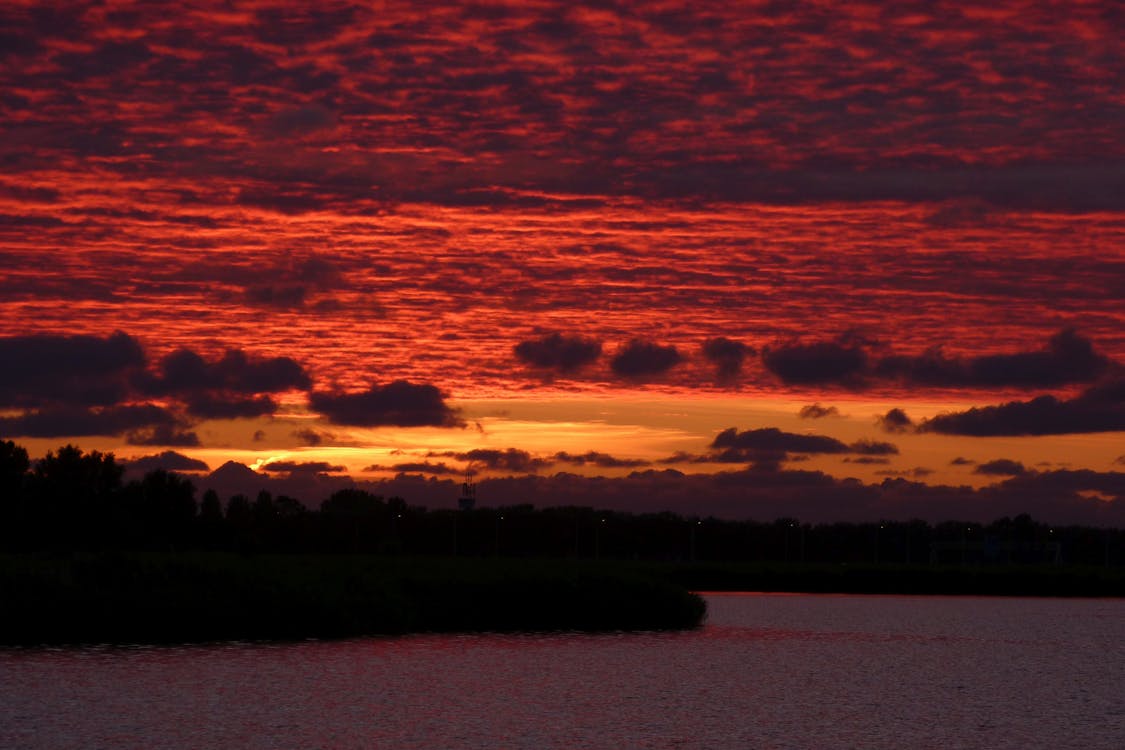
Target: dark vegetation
x: 86, y: 556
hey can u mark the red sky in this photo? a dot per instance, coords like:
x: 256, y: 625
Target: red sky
x: 587, y: 240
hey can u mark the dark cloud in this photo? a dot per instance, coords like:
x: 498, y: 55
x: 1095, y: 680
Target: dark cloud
x: 815, y: 363
x: 816, y: 411
x: 207, y: 406
x: 1052, y: 497
x: 168, y: 461
x: 509, y: 459
x: 278, y: 295
x: 771, y: 439
x: 418, y: 467
x: 917, y: 472
x: 961, y: 461
x: 639, y: 359
x: 77, y: 421
x: 1067, y: 358
x: 1001, y: 467
x: 1120, y: 460
x: 867, y: 447
x: 311, y: 437
x: 185, y: 373
x: 302, y: 467
x: 396, y: 404
x: 164, y: 434
x: 766, y: 448
x: 290, y: 285
x: 896, y: 421
x: 1098, y: 409
x: 558, y: 352
x: 726, y: 354
x: 595, y: 458
x: 867, y: 460
x: 47, y: 370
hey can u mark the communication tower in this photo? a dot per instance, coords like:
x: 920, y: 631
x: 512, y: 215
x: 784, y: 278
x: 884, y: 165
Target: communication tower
x: 468, y: 499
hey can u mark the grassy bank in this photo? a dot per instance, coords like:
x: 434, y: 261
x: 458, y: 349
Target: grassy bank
x: 980, y: 580
x: 147, y: 598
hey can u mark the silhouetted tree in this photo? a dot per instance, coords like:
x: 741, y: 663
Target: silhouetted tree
x: 71, y: 493
x: 168, y: 506
x: 13, y: 471
x: 211, y: 508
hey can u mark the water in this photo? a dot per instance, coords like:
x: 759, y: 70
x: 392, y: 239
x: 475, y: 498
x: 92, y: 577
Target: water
x: 768, y: 671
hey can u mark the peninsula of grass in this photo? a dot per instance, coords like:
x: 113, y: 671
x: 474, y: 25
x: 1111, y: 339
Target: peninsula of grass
x: 891, y: 578
x: 201, y: 597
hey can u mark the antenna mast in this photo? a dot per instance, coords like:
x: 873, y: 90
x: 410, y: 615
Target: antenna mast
x: 468, y: 499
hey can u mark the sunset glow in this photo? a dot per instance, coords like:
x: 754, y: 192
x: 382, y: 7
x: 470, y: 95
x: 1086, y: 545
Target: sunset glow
x: 566, y: 248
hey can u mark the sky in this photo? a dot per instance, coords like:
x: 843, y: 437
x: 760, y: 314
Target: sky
x: 831, y: 261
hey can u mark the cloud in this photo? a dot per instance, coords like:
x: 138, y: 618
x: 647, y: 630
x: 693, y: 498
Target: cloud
x: 811, y: 496
x: 418, y: 467
x: 302, y: 467
x: 45, y: 370
x: 76, y: 421
x: 164, y: 434
x: 867, y: 460
x: 1001, y: 467
x: 311, y: 437
x: 766, y: 448
x: 918, y: 472
x: 291, y: 285
x: 1120, y: 460
x: 639, y: 359
x: 185, y: 373
x: 399, y: 403
x: 873, y: 448
x: 1067, y: 358
x: 168, y: 461
x: 726, y: 354
x: 961, y: 461
x: 595, y: 458
x: 558, y: 352
x: 815, y: 363
x: 895, y: 421
x: 509, y: 459
x: 1098, y: 409
x: 771, y: 439
x: 816, y: 411
x: 207, y: 406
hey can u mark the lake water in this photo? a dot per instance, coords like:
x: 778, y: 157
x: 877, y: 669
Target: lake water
x: 768, y: 671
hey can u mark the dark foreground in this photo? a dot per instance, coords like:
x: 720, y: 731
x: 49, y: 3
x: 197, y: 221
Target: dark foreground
x: 210, y: 596
x: 199, y: 597
x: 889, y: 578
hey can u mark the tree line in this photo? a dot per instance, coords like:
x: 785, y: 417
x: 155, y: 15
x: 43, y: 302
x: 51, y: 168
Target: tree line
x: 72, y: 500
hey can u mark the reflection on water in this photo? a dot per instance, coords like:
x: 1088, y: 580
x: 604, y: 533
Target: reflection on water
x: 767, y: 671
